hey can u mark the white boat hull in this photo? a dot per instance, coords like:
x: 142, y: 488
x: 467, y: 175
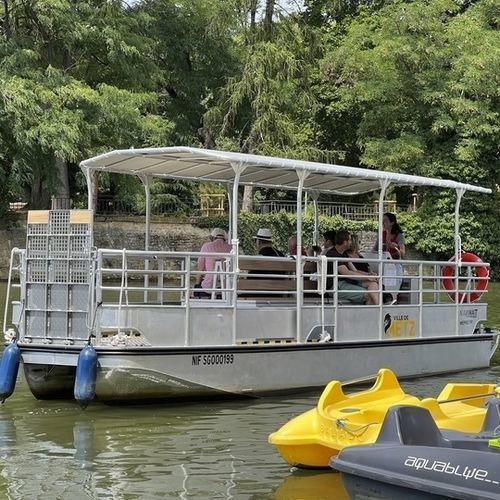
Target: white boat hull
x: 252, y: 370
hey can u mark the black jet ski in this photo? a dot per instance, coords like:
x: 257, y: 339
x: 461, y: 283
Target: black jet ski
x: 412, y: 454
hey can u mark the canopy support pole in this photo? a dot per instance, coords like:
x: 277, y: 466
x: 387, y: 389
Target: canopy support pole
x: 302, y: 175
x: 146, y: 181
x: 90, y: 188
x: 229, y: 193
x: 384, y: 184
x: 315, y: 197
x: 458, y: 256
x: 238, y: 168
x: 457, y: 239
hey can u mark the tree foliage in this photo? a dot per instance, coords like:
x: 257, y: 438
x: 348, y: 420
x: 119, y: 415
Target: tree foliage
x: 420, y: 81
x: 72, y: 84
x: 407, y: 86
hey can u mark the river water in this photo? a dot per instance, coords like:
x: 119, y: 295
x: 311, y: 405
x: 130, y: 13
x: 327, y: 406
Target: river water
x: 53, y: 449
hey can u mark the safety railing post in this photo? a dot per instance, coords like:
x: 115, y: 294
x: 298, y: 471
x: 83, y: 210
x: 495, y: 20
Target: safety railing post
x: 187, y: 296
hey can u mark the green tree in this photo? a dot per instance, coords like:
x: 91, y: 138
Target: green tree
x: 195, y: 53
x: 72, y: 85
x: 419, y: 82
x: 266, y: 108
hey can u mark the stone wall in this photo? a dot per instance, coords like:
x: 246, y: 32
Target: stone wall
x: 116, y: 234
x: 130, y: 234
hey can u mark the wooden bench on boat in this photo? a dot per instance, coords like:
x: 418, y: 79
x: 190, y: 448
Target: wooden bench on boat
x: 286, y: 282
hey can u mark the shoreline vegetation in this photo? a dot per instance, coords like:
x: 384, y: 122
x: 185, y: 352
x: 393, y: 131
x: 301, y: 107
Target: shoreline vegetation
x: 168, y: 233
x: 398, y: 86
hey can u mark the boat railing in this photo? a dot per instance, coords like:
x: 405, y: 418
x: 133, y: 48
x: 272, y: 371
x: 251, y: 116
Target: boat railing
x: 163, y: 278
x: 14, y: 298
x: 128, y: 278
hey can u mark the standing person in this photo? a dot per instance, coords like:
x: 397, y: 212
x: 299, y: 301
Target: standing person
x: 393, y: 239
x: 264, y: 241
x: 217, y: 244
x: 353, y: 285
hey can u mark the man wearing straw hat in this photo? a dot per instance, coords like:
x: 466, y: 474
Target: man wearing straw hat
x: 264, y: 241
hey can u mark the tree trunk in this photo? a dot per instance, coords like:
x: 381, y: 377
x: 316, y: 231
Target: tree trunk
x: 67, y: 61
x: 253, y: 14
x: 268, y: 19
x: 247, y: 198
x: 62, y: 189
x: 38, y: 196
x: 6, y: 23
x: 206, y: 138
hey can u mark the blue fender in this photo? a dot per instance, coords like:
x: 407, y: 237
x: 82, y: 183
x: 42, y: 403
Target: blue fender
x: 86, y: 375
x: 9, y: 366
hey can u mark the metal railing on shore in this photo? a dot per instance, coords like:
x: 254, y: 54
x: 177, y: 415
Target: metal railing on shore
x: 216, y: 204
x: 212, y: 206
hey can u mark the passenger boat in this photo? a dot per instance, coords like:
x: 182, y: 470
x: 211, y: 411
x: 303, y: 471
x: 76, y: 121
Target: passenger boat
x: 412, y: 455
x: 286, y: 332
x: 339, y: 420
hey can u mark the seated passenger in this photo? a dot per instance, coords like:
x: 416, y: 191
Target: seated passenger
x: 264, y: 241
x: 217, y: 244
x: 353, y: 252
x: 314, y: 251
x: 292, y: 246
x: 361, y: 287
x: 328, y: 241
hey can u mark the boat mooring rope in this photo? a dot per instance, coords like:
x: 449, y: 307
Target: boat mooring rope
x: 355, y: 432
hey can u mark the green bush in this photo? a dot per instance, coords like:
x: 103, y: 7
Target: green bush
x: 430, y: 234
x: 433, y: 235
x: 282, y: 225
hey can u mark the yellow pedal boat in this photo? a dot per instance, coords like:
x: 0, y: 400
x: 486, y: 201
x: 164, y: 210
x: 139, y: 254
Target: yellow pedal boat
x: 341, y: 420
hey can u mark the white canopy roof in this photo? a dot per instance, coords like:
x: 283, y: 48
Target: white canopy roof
x: 219, y: 166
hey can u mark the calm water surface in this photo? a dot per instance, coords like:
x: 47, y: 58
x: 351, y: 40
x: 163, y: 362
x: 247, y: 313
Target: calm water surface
x: 209, y: 450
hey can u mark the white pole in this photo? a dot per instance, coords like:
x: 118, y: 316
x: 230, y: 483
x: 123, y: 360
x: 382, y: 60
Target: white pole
x: 458, y: 256
x: 302, y: 174
x: 147, y: 231
x: 90, y: 198
x: 231, y: 208
x: 384, y: 184
x: 315, y: 196
x: 238, y: 168
x: 457, y: 239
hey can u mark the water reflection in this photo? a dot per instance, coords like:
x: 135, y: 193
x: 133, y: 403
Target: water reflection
x: 364, y: 489
x: 83, y: 442
x: 185, y: 451
x: 310, y: 485
x: 7, y: 433
x: 52, y: 449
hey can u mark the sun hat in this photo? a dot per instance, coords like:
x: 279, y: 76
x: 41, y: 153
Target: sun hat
x: 218, y: 232
x: 263, y: 234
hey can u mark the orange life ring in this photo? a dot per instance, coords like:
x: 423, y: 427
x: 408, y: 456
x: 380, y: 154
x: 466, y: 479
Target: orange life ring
x: 481, y: 279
